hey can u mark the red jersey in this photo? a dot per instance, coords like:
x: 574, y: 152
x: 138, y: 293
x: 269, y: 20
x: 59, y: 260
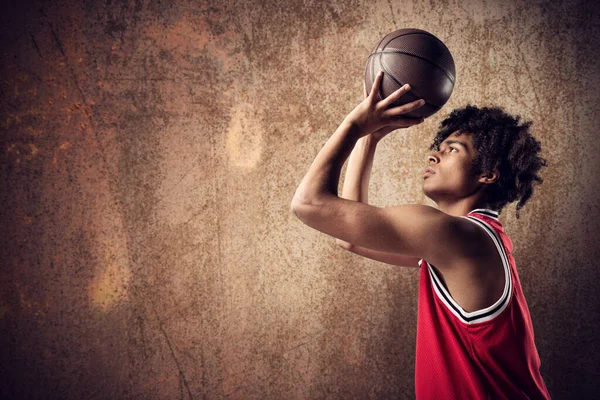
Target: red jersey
x: 484, y: 354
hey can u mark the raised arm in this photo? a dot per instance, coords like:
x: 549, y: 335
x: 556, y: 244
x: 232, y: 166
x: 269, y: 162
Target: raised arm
x: 356, y: 187
x: 385, y: 234
x: 358, y: 173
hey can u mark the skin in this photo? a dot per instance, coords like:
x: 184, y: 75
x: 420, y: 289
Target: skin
x: 454, y: 245
x: 456, y: 174
x: 454, y: 187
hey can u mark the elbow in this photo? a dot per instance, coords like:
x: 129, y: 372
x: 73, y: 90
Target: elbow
x: 303, y: 200
x: 343, y: 244
x: 299, y: 206
x: 295, y: 203
x: 294, y: 207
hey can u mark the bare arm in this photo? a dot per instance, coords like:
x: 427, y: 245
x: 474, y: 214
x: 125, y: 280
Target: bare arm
x: 378, y: 233
x: 358, y: 173
x: 356, y: 187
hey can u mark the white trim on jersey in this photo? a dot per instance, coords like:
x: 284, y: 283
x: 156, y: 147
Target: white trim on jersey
x: 484, y: 314
x: 486, y: 213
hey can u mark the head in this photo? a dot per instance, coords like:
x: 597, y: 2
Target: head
x: 484, y: 154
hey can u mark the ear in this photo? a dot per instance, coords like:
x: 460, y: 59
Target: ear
x: 490, y: 177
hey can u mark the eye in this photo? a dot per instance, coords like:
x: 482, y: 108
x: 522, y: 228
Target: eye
x: 453, y: 148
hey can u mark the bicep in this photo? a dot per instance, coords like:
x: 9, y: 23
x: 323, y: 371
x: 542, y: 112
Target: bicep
x: 417, y: 231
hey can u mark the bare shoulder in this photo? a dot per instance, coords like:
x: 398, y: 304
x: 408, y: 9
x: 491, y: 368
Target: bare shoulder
x: 474, y: 259
x: 469, y: 243
x: 475, y: 276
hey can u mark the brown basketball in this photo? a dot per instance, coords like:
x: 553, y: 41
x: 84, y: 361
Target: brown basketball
x: 418, y: 58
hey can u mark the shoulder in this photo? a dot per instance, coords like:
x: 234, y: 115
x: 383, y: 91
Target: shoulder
x: 460, y: 241
x: 437, y: 237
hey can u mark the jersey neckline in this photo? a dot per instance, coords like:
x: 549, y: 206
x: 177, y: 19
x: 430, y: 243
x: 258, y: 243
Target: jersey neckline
x: 487, y: 212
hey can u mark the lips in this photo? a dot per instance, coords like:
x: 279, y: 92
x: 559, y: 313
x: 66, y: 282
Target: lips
x: 428, y: 171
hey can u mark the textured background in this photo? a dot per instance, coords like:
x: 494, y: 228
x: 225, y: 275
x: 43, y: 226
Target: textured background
x: 149, y: 154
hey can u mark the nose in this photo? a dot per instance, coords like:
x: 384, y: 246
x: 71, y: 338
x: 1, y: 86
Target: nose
x: 433, y: 157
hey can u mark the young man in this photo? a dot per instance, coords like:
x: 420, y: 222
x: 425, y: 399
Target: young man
x: 475, y: 337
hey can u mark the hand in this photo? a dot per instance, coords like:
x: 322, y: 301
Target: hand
x: 381, y: 133
x: 372, y: 117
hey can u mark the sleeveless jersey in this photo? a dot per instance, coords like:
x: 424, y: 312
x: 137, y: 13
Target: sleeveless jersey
x: 484, y: 354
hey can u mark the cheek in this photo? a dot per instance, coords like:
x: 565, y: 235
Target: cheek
x: 458, y: 172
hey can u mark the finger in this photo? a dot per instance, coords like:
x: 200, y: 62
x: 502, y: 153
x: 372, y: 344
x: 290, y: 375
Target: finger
x: 404, y: 108
x: 385, y: 130
x: 392, y: 129
x: 401, y: 122
x: 395, y: 96
x: 375, y: 87
x: 365, y: 90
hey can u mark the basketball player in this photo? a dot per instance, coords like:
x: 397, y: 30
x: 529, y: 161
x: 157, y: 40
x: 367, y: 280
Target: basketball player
x: 475, y: 338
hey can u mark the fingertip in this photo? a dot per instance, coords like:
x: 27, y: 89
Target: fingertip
x: 376, y: 83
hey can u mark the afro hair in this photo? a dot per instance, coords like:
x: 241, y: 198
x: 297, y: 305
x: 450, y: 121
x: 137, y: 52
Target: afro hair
x: 502, y: 143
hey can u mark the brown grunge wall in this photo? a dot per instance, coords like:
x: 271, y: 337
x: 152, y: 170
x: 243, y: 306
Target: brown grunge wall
x: 149, y: 154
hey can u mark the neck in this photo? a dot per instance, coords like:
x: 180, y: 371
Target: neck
x: 461, y: 207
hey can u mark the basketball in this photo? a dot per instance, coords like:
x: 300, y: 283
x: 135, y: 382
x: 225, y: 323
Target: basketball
x: 418, y: 58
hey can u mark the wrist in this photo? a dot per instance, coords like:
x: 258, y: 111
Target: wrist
x: 369, y: 140
x: 354, y: 128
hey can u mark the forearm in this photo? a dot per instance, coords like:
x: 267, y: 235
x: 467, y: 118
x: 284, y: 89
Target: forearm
x: 322, y: 179
x: 358, y: 173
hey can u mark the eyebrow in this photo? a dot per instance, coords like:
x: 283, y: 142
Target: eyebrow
x: 448, y: 142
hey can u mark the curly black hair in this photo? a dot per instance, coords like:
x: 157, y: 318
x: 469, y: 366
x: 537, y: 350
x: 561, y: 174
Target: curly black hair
x: 501, y: 143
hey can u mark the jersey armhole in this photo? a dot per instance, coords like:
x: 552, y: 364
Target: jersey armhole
x: 485, y: 314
